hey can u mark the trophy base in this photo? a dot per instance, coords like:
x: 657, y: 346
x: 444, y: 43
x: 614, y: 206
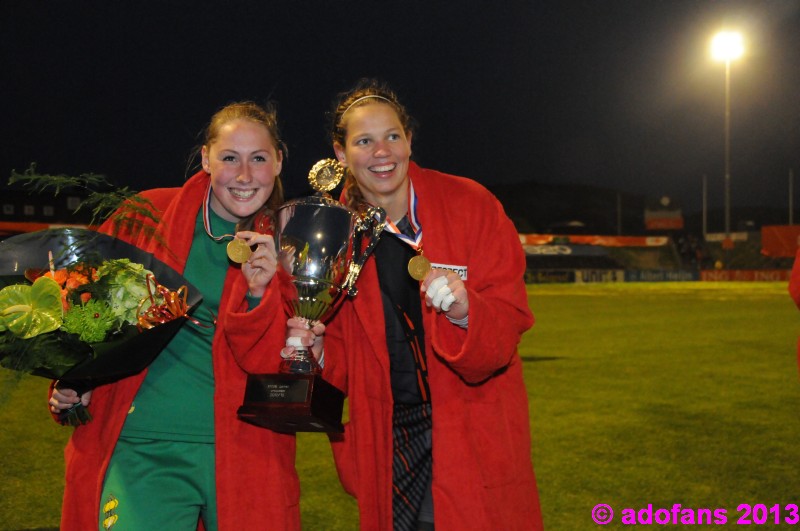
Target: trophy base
x: 289, y: 403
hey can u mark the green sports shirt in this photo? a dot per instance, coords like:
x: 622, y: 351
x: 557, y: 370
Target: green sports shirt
x: 176, y: 399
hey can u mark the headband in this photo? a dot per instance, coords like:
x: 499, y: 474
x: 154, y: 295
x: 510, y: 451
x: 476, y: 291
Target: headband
x: 362, y: 98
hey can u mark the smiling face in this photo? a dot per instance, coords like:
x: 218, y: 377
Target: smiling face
x: 243, y: 163
x: 376, y: 150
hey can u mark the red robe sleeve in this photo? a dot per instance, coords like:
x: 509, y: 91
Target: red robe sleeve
x: 255, y: 336
x: 498, y: 305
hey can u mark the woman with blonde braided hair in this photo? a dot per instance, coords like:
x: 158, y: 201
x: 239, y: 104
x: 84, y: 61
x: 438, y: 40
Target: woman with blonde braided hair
x: 438, y: 434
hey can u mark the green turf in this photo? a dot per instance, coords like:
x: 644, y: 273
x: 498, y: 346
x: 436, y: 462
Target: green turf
x: 660, y: 394
x: 640, y: 394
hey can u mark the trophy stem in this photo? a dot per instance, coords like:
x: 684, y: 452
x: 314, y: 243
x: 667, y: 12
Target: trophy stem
x: 321, y: 245
x: 301, y: 362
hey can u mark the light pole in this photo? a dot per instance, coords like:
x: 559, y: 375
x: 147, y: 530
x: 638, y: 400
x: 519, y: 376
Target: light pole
x: 727, y: 46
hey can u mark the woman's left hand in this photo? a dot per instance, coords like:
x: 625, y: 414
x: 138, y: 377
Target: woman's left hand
x: 301, y: 332
x: 445, y: 292
x: 262, y: 264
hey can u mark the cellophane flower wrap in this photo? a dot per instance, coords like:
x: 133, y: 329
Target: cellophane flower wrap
x: 85, y: 308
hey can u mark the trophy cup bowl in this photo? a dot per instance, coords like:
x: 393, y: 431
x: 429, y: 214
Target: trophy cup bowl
x: 322, y: 245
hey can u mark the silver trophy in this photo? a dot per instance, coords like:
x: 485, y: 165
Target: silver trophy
x: 322, y: 245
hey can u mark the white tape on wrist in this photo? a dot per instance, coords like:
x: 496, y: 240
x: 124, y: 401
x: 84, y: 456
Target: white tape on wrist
x: 463, y: 322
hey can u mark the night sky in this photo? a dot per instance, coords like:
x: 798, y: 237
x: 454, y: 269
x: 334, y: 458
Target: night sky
x: 614, y: 93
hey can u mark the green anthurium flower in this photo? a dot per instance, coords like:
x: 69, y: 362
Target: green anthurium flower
x: 27, y: 311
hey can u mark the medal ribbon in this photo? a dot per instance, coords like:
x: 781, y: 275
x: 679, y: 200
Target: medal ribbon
x: 207, y: 217
x: 238, y: 250
x: 416, y: 241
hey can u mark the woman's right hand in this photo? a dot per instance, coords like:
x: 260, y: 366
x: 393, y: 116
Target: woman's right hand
x: 62, y: 399
x: 262, y: 264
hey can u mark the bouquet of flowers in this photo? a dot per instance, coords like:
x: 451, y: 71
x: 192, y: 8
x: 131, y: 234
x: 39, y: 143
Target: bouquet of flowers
x: 85, y: 308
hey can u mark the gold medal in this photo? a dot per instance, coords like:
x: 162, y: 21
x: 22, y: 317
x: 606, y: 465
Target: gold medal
x: 238, y: 251
x: 418, y: 267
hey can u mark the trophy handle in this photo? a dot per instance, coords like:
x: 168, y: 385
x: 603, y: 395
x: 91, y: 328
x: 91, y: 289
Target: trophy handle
x: 369, y: 224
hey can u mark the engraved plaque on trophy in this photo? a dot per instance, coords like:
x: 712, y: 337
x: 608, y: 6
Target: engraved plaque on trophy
x: 322, y: 245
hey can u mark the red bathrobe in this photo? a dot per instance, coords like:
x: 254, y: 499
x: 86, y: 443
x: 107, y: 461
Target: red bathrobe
x: 482, y: 472
x: 794, y: 291
x: 257, y: 485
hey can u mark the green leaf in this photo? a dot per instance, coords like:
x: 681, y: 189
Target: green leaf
x: 28, y: 311
x: 47, y: 355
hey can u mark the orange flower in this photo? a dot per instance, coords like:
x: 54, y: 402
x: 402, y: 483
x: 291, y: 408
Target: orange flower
x: 70, y: 280
x: 59, y: 276
x: 76, y: 279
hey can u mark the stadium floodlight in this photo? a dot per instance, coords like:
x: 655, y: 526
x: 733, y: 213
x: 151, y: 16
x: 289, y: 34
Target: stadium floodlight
x: 727, y: 46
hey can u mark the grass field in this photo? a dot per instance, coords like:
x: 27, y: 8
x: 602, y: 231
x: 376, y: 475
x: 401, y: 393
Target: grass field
x: 641, y: 394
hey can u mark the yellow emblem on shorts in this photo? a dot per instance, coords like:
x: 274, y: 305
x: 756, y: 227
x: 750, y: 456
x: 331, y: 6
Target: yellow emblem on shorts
x: 108, y: 511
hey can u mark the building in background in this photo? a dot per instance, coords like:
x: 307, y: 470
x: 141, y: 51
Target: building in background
x: 662, y: 214
x: 24, y: 211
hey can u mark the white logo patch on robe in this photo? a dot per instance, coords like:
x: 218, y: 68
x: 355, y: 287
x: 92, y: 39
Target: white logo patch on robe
x: 461, y: 270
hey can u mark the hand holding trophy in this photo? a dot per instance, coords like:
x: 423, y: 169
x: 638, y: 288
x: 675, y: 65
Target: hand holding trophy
x: 322, y: 245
